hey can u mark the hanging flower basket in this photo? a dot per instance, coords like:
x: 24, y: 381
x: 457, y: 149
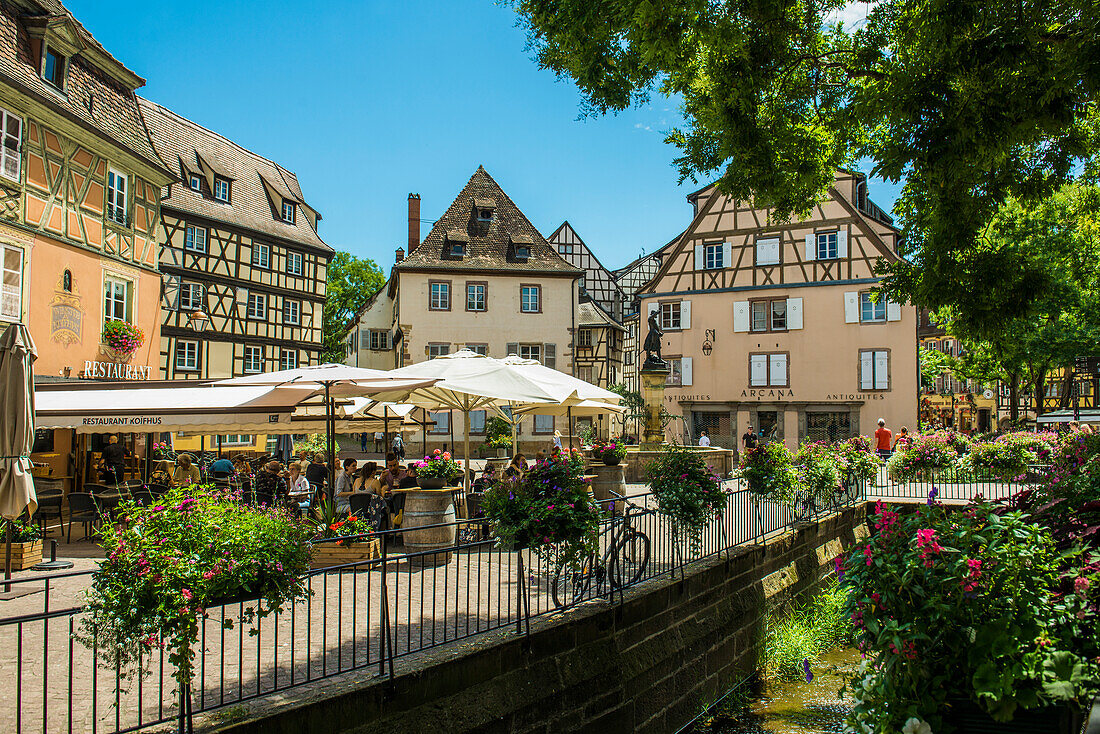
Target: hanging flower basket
x: 120, y: 340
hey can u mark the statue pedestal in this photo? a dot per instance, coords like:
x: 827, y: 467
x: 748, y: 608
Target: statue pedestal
x: 653, y: 394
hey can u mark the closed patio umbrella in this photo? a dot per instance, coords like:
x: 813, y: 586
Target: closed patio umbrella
x: 17, y: 355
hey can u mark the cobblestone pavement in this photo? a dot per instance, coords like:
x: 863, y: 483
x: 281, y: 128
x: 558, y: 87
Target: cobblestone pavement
x: 56, y: 684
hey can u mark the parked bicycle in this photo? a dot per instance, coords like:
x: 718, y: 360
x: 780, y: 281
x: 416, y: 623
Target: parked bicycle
x: 623, y: 563
x: 805, y: 504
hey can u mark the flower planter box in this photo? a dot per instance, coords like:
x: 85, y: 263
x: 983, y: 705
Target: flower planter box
x: 431, y: 482
x: 966, y: 716
x: 324, y: 555
x: 25, y: 555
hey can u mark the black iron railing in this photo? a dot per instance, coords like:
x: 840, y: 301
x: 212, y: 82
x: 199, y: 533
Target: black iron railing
x: 361, y: 616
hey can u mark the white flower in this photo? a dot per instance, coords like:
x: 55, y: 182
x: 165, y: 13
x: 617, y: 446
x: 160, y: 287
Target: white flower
x: 916, y: 726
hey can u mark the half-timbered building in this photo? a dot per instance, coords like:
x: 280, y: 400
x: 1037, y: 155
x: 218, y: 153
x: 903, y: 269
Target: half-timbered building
x: 630, y: 280
x: 598, y: 283
x: 79, y: 196
x: 777, y: 325
x: 244, y: 266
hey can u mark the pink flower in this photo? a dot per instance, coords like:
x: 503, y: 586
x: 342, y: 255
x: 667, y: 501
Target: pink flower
x: 447, y: 455
x: 1081, y: 585
x: 208, y: 575
x: 867, y: 553
x: 186, y: 594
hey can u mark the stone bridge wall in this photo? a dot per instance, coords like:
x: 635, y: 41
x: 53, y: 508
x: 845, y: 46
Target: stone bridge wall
x: 649, y: 664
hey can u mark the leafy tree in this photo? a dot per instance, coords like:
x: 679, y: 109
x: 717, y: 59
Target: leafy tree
x: 351, y: 283
x: 633, y: 402
x: 970, y: 103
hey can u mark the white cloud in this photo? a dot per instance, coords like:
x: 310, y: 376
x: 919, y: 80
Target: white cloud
x: 852, y: 15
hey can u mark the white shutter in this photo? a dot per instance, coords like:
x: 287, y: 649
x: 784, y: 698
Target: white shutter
x: 866, y: 370
x: 794, y: 313
x: 811, y: 247
x: 512, y: 348
x: 882, y: 370
x: 685, y: 314
x: 778, y: 369
x: 842, y: 243
x: 741, y: 316
x: 893, y: 311
x: 851, y: 307
x: 727, y: 255
x: 758, y: 370
x: 550, y: 356
x: 767, y: 252
x: 685, y: 370
x: 700, y: 258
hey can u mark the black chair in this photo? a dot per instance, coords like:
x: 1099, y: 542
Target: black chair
x: 158, y: 489
x: 143, y: 496
x: 371, y: 507
x: 82, y: 509
x: 49, y: 505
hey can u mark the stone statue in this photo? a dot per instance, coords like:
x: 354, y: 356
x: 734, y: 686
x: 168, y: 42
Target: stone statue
x: 652, y: 346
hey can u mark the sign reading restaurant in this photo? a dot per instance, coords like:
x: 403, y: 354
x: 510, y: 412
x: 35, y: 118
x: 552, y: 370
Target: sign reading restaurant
x: 114, y: 371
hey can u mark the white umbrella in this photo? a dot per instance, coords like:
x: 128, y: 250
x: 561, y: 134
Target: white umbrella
x: 17, y: 355
x: 468, y: 381
x: 337, y: 380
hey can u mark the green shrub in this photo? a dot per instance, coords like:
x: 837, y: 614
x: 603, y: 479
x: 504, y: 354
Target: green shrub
x: 805, y: 633
x: 315, y: 444
x: 687, y: 491
x: 769, y: 472
x: 819, y: 468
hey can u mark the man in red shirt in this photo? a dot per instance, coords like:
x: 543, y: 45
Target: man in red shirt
x: 883, y: 437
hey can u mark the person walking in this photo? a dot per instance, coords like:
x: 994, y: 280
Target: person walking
x: 883, y: 439
x: 398, y: 447
x: 704, y: 439
x: 363, y: 441
x: 750, y: 440
x: 114, y: 459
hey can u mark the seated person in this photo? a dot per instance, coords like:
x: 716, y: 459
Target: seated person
x: 222, y: 468
x: 366, y: 481
x: 270, y: 487
x: 317, y: 472
x: 185, y: 473
x: 162, y: 473
x: 391, y: 478
x: 517, y: 467
x: 344, y: 482
x: 296, y: 481
x: 409, y: 481
x: 241, y: 467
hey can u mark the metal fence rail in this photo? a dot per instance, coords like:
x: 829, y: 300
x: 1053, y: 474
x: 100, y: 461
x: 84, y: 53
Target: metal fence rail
x: 361, y: 616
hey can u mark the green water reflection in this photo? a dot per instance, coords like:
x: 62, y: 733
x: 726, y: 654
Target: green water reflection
x: 797, y: 707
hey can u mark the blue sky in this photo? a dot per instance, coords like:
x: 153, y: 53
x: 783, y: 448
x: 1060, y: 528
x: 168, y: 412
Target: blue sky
x: 368, y: 101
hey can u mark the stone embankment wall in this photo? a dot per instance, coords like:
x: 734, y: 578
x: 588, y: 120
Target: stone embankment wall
x: 649, y: 664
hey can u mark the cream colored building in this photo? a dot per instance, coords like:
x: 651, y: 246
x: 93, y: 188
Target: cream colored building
x: 774, y: 324
x: 483, y: 279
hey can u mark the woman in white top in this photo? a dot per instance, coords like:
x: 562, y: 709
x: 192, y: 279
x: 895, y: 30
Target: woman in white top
x: 296, y: 481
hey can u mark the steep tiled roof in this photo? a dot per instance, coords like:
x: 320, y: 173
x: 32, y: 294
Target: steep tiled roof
x: 590, y: 313
x: 257, y: 184
x: 492, y: 250
x: 92, y: 97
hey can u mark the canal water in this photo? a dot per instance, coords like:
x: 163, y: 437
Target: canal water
x: 794, y: 707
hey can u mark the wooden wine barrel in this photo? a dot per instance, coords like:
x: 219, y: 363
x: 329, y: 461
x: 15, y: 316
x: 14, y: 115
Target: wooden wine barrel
x: 429, y: 507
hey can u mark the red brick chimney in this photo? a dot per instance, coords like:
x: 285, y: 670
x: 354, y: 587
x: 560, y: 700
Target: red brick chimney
x: 414, y: 222
x: 400, y: 254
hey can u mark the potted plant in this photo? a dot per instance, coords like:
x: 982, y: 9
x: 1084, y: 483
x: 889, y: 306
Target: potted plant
x: 26, y: 545
x: 433, y: 472
x: 610, y: 453
x: 120, y: 340
x: 354, y: 542
x: 315, y: 443
x: 819, y: 468
x: 858, y: 461
x: 687, y: 491
x: 968, y: 622
x: 549, y: 510
x: 768, y: 471
x: 166, y: 563
x: 923, y: 456
x: 498, y: 436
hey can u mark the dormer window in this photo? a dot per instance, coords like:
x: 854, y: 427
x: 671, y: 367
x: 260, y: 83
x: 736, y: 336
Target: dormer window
x: 288, y: 211
x: 523, y: 252
x: 195, y: 182
x: 221, y: 189
x: 484, y: 216
x: 457, y: 249
x: 53, y: 68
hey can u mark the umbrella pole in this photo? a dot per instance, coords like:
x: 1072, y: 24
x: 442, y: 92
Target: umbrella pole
x: 512, y: 420
x: 424, y: 432
x: 7, y: 557
x: 385, y: 431
x: 451, y: 426
x: 569, y: 425
x: 466, y: 451
x: 330, y: 429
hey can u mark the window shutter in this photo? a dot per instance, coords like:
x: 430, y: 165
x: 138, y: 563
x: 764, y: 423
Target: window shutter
x: 767, y: 251
x: 866, y: 370
x: 741, y: 316
x: 882, y: 370
x: 512, y: 348
x: 727, y: 255
x: 842, y: 243
x: 549, y: 355
x: 172, y: 293
x: 685, y: 370
x: 811, y: 247
x: 700, y: 258
x: 851, y: 307
x: 778, y: 369
x: 794, y: 313
x: 893, y: 311
x: 685, y: 314
x: 758, y: 370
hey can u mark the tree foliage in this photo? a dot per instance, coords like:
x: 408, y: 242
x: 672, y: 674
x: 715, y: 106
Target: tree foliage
x: 351, y: 283
x: 970, y: 103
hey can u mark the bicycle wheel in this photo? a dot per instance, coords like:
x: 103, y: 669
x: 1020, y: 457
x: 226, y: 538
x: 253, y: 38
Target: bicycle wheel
x: 632, y: 561
x: 803, y: 507
x: 569, y: 586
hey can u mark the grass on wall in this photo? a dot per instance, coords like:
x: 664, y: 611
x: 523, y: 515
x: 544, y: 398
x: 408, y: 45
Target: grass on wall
x: 804, y: 633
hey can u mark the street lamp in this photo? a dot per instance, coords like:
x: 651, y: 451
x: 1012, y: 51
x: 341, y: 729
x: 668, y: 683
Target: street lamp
x: 198, y: 321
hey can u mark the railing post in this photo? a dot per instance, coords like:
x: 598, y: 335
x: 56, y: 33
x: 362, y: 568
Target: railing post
x: 385, y: 641
x: 519, y: 593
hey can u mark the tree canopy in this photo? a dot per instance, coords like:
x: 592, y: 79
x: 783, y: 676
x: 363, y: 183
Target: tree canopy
x: 969, y: 103
x: 351, y: 283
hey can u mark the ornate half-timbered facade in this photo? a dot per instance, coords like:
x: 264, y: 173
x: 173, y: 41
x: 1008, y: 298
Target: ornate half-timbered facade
x: 79, y: 196
x: 776, y: 325
x: 245, y: 269
x: 598, y: 283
